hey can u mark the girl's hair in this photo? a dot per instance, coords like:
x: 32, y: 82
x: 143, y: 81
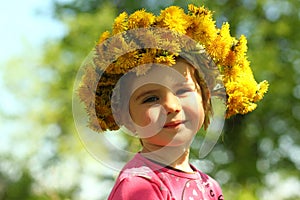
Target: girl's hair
x: 206, y: 100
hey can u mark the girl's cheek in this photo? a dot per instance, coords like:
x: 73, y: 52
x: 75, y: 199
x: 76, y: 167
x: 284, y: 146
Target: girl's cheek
x: 152, y: 121
x: 193, y: 105
x: 157, y: 114
x: 143, y: 119
x: 191, y: 100
x: 153, y: 115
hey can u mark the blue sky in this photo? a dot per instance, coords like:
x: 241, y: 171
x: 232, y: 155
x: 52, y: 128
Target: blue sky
x: 26, y: 23
x: 25, y: 26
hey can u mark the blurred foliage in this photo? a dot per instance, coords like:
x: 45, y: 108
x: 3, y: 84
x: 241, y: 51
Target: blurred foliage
x: 257, y: 153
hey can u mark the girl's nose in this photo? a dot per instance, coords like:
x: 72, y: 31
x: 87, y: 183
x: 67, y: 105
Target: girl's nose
x: 171, y: 103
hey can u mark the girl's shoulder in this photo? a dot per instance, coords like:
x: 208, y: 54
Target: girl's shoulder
x: 139, y: 166
x: 212, y: 187
x: 138, y: 181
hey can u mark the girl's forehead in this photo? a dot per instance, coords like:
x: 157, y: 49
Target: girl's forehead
x: 166, y: 76
x: 183, y: 67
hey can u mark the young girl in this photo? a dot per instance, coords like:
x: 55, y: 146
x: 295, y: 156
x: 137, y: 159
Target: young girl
x: 154, y: 78
x: 166, y: 109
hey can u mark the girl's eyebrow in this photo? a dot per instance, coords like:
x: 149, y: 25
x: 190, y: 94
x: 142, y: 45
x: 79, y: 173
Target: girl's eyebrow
x: 145, y: 93
x: 185, y: 83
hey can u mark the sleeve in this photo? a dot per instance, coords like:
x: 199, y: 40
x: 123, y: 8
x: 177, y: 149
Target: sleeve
x: 216, y: 190
x: 136, y: 188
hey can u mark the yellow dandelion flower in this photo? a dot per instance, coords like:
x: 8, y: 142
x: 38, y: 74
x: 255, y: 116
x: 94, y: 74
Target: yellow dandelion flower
x: 140, y: 19
x: 221, y: 46
x: 105, y: 35
x: 262, y: 88
x: 199, y: 11
x: 118, y: 47
x: 189, y: 45
x: 88, y: 86
x: 202, y: 27
x: 127, y: 61
x: 230, y: 59
x: 97, y: 124
x: 114, y: 68
x: 250, y: 107
x: 101, y: 110
x: 167, y: 60
x: 248, y: 85
x: 110, y: 121
x: 174, y: 19
x: 234, y: 99
x: 91, y: 75
x: 146, y: 58
x: 241, y: 49
x: 172, y: 47
x: 238, y: 101
x: 245, y: 69
x: 169, y: 41
x: 101, y: 64
x: 232, y: 73
x: 114, y: 50
x: 243, y: 92
x: 120, y: 23
x: 86, y: 95
x: 147, y: 38
x: 215, y: 49
x: 109, y: 50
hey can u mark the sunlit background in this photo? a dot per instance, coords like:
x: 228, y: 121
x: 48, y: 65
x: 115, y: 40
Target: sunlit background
x: 42, y: 46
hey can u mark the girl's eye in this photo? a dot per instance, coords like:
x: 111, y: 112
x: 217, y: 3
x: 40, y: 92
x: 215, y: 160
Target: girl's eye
x: 151, y: 99
x: 183, y: 91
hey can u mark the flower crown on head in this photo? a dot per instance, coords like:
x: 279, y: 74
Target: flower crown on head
x: 161, y: 41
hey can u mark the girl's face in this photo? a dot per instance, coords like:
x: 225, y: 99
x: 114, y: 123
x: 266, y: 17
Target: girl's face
x: 166, y: 105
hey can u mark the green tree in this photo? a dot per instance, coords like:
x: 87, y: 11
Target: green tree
x: 257, y: 155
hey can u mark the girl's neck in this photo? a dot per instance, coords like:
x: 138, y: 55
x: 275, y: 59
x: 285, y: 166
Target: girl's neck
x: 175, y: 157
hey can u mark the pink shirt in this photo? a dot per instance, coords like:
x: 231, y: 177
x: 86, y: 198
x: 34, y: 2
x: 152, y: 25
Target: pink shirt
x: 142, y: 179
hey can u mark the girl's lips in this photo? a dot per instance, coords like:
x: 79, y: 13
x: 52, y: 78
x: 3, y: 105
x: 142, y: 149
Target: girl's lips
x: 174, y: 124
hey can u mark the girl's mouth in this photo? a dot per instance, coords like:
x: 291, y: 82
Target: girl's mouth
x: 173, y: 124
